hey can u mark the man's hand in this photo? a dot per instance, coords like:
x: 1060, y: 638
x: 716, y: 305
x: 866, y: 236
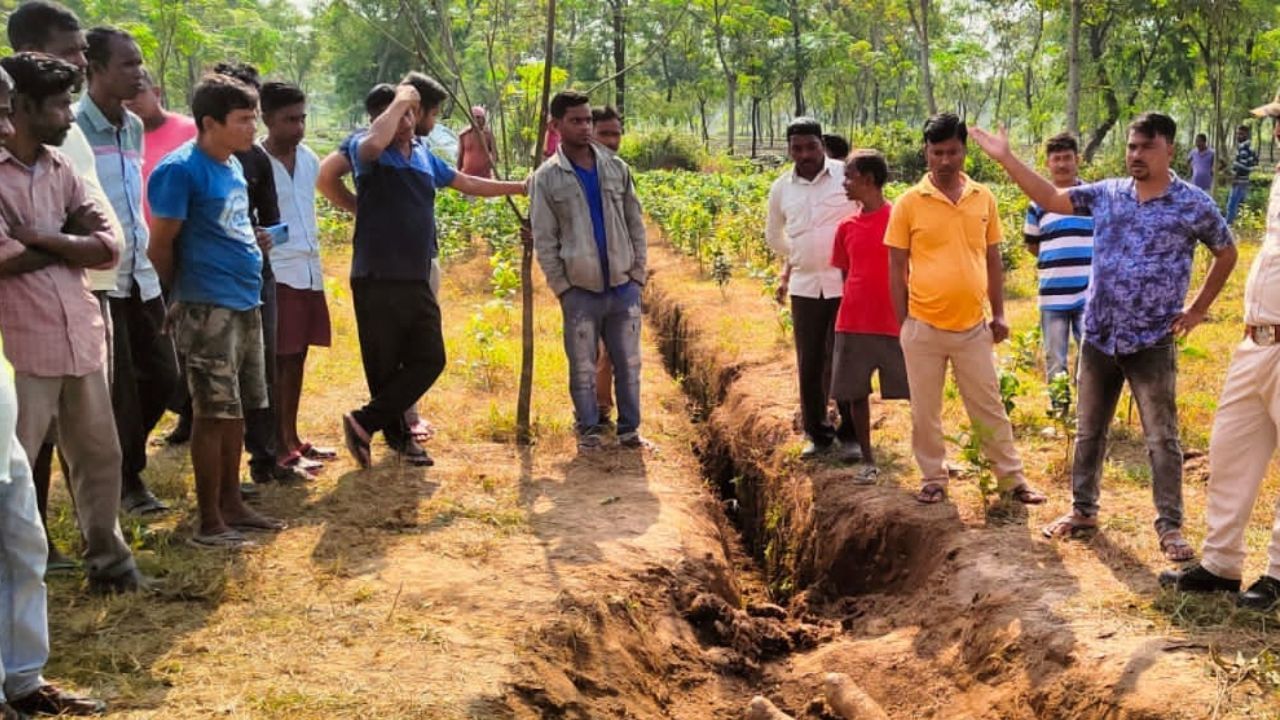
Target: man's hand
x: 26, y: 235
x: 264, y: 239
x: 999, y: 329
x: 996, y: 145
x: 784, y: 288
x: 1187, y: 321
x: 408, y: 93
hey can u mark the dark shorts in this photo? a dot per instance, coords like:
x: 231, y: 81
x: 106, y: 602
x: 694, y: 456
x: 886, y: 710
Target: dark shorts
x: 857, y: 356
x: 302, y: 320
x: 221, y: 351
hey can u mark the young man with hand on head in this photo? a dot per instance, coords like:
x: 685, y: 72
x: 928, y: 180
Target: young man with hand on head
x: 205, y: 247
x: 1146, y: 229
x: 588, y: 233
x: 303, y: 314
x: 145, y: 370
x: 866, y: 327
x: 397, y: 314
x: 944, y: 266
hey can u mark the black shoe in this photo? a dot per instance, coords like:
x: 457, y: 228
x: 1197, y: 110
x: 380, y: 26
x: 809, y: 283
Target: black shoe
x: 181, y: 432
x: 1198, y: 580
x: 1263, y: 595
x: 50, y: 700
x: 124, y: 583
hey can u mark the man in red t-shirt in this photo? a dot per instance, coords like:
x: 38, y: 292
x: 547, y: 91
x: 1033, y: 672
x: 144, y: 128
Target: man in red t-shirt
x: 866, y: 326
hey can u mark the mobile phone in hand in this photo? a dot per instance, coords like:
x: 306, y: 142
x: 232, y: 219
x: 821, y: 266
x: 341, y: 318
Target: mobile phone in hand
x: 279, y: 233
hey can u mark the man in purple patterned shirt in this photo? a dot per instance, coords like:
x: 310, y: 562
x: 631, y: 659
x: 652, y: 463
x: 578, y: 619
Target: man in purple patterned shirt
x: 1146, y: 228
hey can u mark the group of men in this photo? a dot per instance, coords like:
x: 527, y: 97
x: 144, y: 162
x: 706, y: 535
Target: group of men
x: 903, y: 290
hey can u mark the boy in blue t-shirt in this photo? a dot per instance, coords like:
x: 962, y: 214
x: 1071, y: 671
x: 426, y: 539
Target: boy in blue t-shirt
x: 205, y: 248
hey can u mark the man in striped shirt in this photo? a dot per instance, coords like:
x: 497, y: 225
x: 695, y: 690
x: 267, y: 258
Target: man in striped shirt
x: 1063, y: 246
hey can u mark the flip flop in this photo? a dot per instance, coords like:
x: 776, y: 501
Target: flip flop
x: 226, y: 540
x: 357, y: 440
x: 142, y: 504
x: 61, y: 566
x: 866, y: 475
x: 1026, y: 495
x: 931, y: 493
x: 422, y: 430
x: 1070, y: 526
x: 260, y: 524
x: 313, y: 452
x: 298, y: 461
x: 1175, y: 547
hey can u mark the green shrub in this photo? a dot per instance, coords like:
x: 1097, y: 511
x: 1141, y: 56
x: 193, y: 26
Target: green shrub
x: 662, y: 149
x: 901, y: 146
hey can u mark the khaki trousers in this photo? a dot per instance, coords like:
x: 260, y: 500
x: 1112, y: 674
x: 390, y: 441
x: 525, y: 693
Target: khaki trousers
x: 81, y: 407
x: 1245, y: 432
x: 927, y: 351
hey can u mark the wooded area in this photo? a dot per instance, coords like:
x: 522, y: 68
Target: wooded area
x: 732, y: 71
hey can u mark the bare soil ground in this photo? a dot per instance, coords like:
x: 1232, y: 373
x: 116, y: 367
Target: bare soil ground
x: 505, y: 583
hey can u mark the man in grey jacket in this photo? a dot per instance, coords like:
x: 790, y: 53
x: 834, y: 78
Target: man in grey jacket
x: 588, y: 233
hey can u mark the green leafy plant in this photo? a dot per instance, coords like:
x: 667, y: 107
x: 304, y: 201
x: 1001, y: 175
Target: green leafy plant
x: 721, y: 270
x: 1010, y: 389
x: 969, y: 441
x: 1060, y: 410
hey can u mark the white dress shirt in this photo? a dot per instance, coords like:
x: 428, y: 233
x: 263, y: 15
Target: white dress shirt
x: 296, y: 262
x: 1262, y: 291
x: 801, y: 226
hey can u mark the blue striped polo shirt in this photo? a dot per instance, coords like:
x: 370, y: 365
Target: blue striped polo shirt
x: 1065, y: 259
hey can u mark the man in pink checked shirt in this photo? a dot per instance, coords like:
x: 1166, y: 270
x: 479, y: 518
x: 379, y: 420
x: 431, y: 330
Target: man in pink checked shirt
x: 50, y: 232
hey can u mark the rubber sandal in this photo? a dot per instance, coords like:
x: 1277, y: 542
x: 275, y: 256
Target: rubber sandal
x: 226, y: 540
x: 260, y: 524
x: 1069, y: 526
x: 1175, y: 547
x: 311, y: 452
x: 357, y: 440
x: 931, y: 493
x: 866, y: 475
x: 422, y: 430
x: 297, y: 461
x: 1026, y: 495
x: 142, y: 504
x: 63, y: 565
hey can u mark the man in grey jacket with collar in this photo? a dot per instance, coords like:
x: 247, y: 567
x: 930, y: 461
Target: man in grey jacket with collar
x: 588, y: 232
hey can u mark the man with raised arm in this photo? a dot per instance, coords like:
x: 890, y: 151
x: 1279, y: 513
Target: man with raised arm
x: 1146, y: 229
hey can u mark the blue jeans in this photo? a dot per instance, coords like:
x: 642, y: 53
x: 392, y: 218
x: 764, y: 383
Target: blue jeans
x: 24, y: 625
x: 615, y: 317
x: 1056, y: 329
x: 1235, y: 200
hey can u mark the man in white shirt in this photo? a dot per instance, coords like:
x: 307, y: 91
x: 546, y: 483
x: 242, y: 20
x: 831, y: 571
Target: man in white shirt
x: 1245, y: 431
x: 805, y: 206
x: 303, y: 314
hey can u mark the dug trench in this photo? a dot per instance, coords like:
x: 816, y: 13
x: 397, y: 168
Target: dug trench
x: 931, y: 614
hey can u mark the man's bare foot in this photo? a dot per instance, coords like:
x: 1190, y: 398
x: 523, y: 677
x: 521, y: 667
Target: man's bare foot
x: 253, y: 521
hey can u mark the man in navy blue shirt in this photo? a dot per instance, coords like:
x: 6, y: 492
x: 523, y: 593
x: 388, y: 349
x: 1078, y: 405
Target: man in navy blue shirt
x: 588, y: 233
x: 397, y: 315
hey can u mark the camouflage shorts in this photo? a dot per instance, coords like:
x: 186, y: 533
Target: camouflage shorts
x: 222, y: 353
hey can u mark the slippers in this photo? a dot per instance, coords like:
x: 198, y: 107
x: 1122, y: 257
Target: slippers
x: 298, y: 461
x: 1175, y: 547
x: 1070, y: 526
x: 260, y: 523
x: 931, y: 493
x: 866, y: 475
x: 1026, y: 495
x: 62, y: 565
x: 422, y: 430
x: 357, y: 441
x: 142, y: 504
x: 312, y: 452
x: 226, y: 540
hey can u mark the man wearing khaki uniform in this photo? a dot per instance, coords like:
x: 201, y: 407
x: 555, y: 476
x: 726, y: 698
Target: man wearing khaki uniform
x: 1245, y: 431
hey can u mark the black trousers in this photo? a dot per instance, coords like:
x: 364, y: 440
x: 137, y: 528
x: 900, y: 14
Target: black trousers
x: 813, y: 321
x: 260, y: 425
x: 145, y: 373
x: 402, y: 346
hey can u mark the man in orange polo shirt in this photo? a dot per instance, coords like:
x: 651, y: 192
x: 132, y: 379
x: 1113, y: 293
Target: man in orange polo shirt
x: 944, y: 264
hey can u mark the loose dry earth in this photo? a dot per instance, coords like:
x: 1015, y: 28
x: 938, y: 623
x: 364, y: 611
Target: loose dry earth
x: 518, y: 584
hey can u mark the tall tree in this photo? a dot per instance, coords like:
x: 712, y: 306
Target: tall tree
x: 1073, y: 68
x: 919, y: 12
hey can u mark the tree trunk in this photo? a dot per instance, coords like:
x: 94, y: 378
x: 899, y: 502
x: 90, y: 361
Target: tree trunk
x: 1073, y: 70
x: 702, y: 114
x: 919, y: 12
x: 755, y: 126
x: 730, y: 76
x: 798, y: 52
x: 524, y: 430
x: 620, y: 55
